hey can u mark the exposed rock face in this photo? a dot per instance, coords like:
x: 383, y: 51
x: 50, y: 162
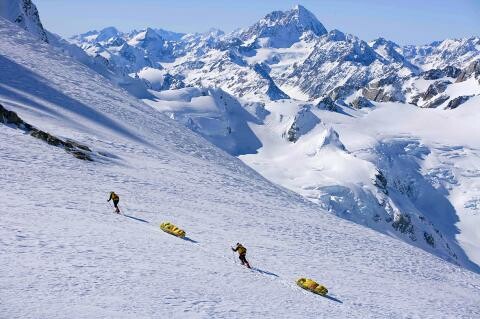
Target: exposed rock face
x: 381, y: 182
x: 435, y: 88
x: 338, y: 58
x: 339, y: 92
x: 361, y: 102
x: 273, y: 91
x: 429, y: 239
x: 451, y: 71
x: 435, y: 74
x: 76, y: 149
x: 403, y: 223
x: 472, y: 69
x: 437, y: 101
x: 387, y: 89
x: 327, y: 104
x: 171, y: 82
x: 25, y: 14
x: 9, y: 117
x: 456, y: 102
x: 303, y: 123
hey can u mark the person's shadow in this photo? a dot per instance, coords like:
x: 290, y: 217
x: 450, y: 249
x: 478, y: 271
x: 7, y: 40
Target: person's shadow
x: 264, y: 272
x: 137, y: 219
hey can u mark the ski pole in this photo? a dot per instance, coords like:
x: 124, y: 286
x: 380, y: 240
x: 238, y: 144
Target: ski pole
x: 234, y: 259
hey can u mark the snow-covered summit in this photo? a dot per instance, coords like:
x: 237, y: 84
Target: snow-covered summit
x: 392, y: 52
x: 169, y: 35
x: 280, y: 29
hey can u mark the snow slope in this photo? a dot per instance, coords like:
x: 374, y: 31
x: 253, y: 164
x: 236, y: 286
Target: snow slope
x: 64, y: 254
x: 392, y: 167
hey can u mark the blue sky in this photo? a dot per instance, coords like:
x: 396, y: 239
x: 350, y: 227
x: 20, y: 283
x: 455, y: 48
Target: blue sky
x: 405, y: 21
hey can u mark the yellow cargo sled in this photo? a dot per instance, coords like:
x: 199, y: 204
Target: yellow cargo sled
x: 310, y: 285
x: 172, y: 230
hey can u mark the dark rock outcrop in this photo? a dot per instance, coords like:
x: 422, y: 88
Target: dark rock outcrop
x: 429, y: 239
x: 403, y: 223
x: 456, y: 102
x: 273, y: 91
x: 435, y: 74
x: 472, y: 69
x: 435, y: 88
x: 436, y: 102
x: 361, y: 102
x: 78, y: 150
x: 387, y: 89
x: 339, y: 92
x: 303, y: 123
x: 451, y: 71
x: 327, y: 104
x: 381, y: 182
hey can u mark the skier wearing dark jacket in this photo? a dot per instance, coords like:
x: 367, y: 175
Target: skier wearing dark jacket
x: 242, y: 252
x: 115, y: 198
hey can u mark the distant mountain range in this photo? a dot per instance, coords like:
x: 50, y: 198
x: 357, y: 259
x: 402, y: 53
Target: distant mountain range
x: 285, y: 54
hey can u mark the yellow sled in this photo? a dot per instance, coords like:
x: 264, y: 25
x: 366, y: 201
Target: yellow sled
x: 310, y: 285
x: 172, y: 230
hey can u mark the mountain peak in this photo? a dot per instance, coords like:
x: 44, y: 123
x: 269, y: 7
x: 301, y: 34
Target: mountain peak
x: 336, y: 35
x: 149, y: 33
x: 106, y: 34
x: 146, y: 36
x: 382, y: 41
x: 283, y: 28
x: 303, y: 13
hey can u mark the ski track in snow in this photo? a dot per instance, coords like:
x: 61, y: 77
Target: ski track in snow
x: 64, y: 254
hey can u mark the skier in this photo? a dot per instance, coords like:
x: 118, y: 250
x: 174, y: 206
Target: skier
x: 114, y: 197
x: 242, y: 252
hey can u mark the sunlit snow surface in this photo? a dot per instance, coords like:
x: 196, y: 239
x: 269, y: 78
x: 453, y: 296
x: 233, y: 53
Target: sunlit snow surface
x: 65, y: 254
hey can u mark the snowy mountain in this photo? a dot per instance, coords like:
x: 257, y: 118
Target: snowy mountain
x: 284, y: 55
x: 392, y: 52
x: 282, y: 29
x: 440, y: 54
x: 66, y: 255
x: 25, y: 14
x: 338, y: 61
